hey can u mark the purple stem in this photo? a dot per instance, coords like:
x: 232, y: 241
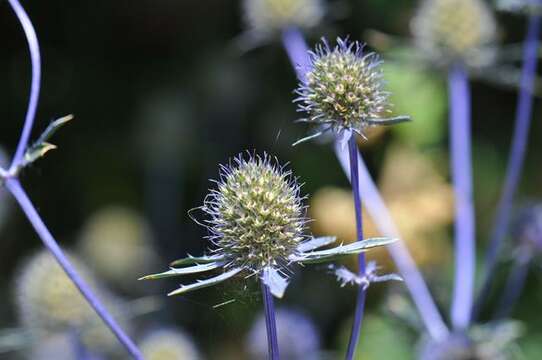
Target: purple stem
x: 14, y: 186
x: 360, y: 303
x: 270, y: 323
x: 517, y: 154
x: 297, y: 49
x: 33, y: 46
x: 460, y: 143
x: 514, y: 285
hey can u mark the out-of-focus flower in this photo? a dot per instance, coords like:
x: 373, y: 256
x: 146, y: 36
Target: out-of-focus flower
x: 483, y: 342
x: 267, y: 17
x: 117, y: 242
x: 420, y: 200
x: 256, y: 220
x: 528, y: 228
x: 449, y: 31
x: 343, y: 90
x: 50, y: 304
x: 298, y: 337
x: 168, y: 344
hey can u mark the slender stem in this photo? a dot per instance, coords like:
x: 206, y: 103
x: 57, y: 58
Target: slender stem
x: 403, y: 260
x: 360, y: 303
x: 270, y: 323
x: 517, y: 153
x: 50, y: 243
x: 514, y: 285
x: 298, y: 54
x: 460, y: 143
x: 33, y: 46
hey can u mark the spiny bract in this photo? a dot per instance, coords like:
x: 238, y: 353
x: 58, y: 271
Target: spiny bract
x: 257, y: 217
x: 269, y: 16
x: 455, y: 30
x: 344, y: 88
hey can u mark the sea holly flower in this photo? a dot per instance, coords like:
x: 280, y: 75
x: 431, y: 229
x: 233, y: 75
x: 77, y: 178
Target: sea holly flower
x: 343, y: 91
x: 256, y: 221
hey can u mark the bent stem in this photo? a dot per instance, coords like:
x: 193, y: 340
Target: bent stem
x: 517, y: 154
x: 360, y: 303
x: 19, y: 194
x: 270, y: 323
x: 460, y: 143
x: 298, y: 54
x: 35, y: 58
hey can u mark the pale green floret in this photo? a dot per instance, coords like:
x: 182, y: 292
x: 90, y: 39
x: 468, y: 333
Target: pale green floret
x: 258, y: 216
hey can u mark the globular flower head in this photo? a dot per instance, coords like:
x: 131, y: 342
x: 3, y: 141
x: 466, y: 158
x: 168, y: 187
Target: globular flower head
x: 344, y: 89
x: 271, y: 16
x: 256, y: 214
x: 256, y: 219
x: 449, y: 31
x: 298, y: 336
x: 168, y: 344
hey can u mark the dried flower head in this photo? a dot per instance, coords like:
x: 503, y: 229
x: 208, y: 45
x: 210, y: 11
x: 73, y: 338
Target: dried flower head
x: 343, y: 89
x: 450, y: 31
x: 49, y: 303
x: 270, y: 16
x: 168, y: 344
x: 256, y: 220
x: 298, y: 336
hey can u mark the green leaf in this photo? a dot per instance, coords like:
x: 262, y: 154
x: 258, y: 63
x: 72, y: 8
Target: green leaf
x: 389, y: 121
x: 41, y: 146
x: 200, y: 284
x: 191, y: 260
x: 183, y: 271
x: 342, y: 250
x: 316, y: 243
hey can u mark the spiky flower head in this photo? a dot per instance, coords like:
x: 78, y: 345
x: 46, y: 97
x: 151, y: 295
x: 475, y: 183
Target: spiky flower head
x: 256, y: 220
x: 449, y: 31
x: 266, y: 17
x: 256, y: 214
x: 168, y: 344
x: 49, y: 303
x: 344, y: 89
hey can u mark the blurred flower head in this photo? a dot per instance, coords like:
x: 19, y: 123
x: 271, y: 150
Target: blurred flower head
x: 266, y: 17
x: 256, y: 220
x: 449, y: 31
x: 50, y: 304
x: 298, y: 336
x: 483, y: 342
x: 117, y: 242
x: 528, y: 227
x: 168, y: 344
x: 344, y: 88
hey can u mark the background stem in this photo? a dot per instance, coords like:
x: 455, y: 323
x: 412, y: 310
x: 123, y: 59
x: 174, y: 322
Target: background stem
x: 18, y: 192
x: 270, y: 323
x: 460, y: 144
x: 360, y: 302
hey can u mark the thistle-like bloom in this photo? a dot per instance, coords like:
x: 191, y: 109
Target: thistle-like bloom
x: 256, y: 222
x: 266, y: 17
x: 448, y: 31
x: 343, y: 90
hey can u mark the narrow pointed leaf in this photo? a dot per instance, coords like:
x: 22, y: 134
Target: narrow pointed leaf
x: 37, y: 151
x: 389, y: 121
x: 200, y: 284
x: 342, y: 250
x: 316, y: 243
x: 53, y: 127
x: 183, y: 271
x: 386, y: 277
x: 191, y: 260
x: 276, y: 283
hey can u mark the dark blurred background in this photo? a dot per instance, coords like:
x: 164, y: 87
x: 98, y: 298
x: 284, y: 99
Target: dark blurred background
x: 162, y: 93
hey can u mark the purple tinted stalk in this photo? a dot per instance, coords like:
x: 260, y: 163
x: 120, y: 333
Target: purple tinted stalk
x: 270, y: 323
x: 28, y: 208
x: 517, y: 153
x: 297, y: 49
x: 13, y: 185
x: 360, y: 302
x: 460, y: 143
x: 35, y: 58
x: 514, y: 285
